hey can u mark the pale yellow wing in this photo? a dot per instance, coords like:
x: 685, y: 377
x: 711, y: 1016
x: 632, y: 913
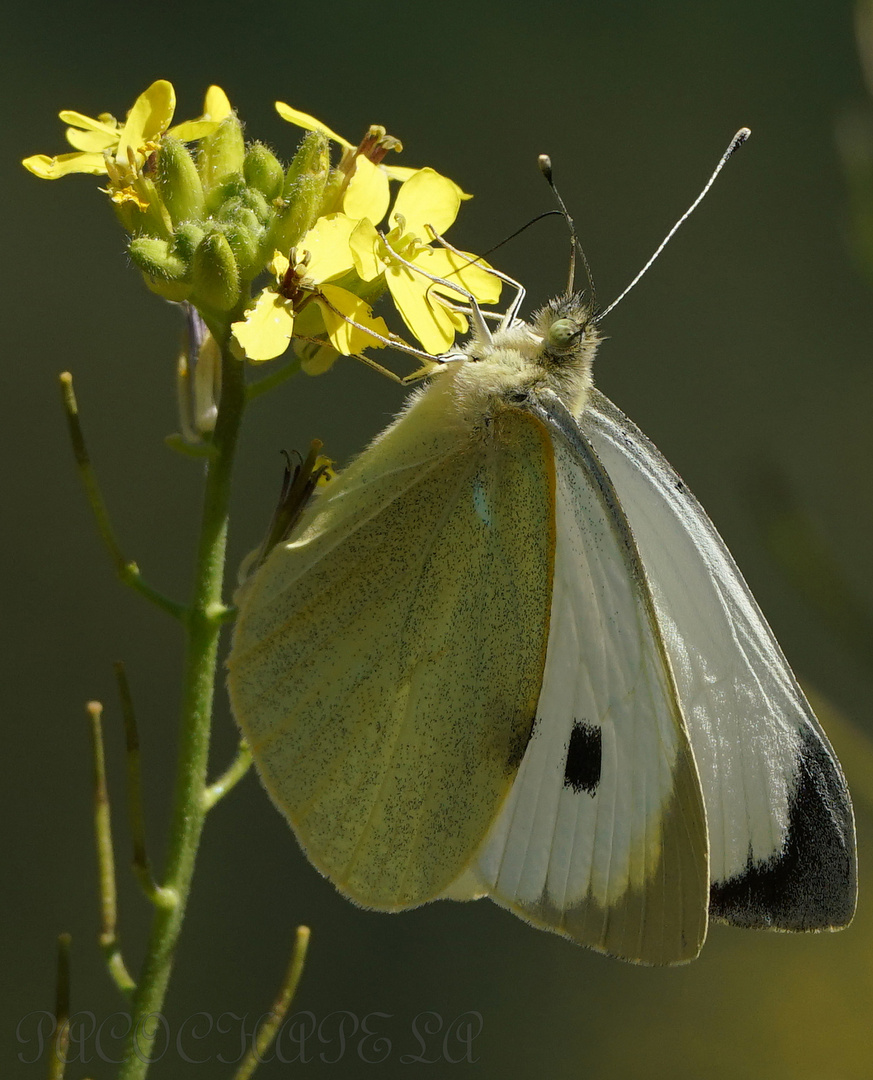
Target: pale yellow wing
x: 386, y: 663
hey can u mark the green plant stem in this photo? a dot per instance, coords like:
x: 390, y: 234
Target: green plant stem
x: 203, y: 625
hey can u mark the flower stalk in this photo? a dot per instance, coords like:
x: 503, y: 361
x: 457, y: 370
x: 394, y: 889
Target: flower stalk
x: 109, y: 942
x: 60, y: 1044
x: 203, y: 629
x: 279, y: 1009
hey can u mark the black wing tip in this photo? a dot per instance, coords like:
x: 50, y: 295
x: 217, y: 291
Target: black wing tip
x: 760, y: 900
x: 812, y: 883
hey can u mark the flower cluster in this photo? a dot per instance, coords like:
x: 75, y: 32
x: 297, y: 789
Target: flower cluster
x: 205, y: 225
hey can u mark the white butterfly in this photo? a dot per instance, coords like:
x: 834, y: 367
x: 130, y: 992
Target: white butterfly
x: 507, y: 654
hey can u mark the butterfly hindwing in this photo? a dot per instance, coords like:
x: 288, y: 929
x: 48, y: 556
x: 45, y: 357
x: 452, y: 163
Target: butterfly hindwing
x: 780, y: 818
x: 386, y: 672
x: 603, y: 836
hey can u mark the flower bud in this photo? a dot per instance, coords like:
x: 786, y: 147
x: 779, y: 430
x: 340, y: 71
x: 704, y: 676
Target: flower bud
x: 262, y: 171
x: 178, y: 182
x: 165, y: 271
x: 303, y: 191
x: 244, y: 243
x: 245, y: 233
x: 312, y: 158
x: 157, y: 258
x: 187, y: 237
x: 214, y: 274
x: 221, y: 153
x: 255, y: 201
x: 230, y: 190
x: 334, y: 189
x: 234, y: 212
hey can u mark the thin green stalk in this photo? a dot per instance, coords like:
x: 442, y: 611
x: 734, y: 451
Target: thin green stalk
x: 60, y: 1046
x: 230, y: 777
x: 203, y: 627
x: 109, y: 942
x: 278, y: 1010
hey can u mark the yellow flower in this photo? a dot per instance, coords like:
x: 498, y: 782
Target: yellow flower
x: 364, y: 192
x: 426, y: 201
x: 284, y: 308
x: 103, y: 146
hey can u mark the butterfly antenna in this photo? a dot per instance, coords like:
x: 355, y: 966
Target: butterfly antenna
x: 545, y: 164
x: 735, y: 143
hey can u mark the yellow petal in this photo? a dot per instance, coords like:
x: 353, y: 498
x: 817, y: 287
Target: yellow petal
x: 427, y: 198
x: 328, y: 244
x: 473, y: 276
x: 215, y: 107
x: 367, y: 194
x: 400, y: 172
x: 426, y: 318
x: 148, y: 119
x: 53, y: 168
x: 190, y: 130
x: 365, y: 243
x: 319, y: 361
x: 87, y: 123
x: 315, y: 357
x: 92, y: 142
x: 81, y: 124
x: 216, y: 104
x: 304, y: 120
x: 344, y: 337
x: 265, y: 331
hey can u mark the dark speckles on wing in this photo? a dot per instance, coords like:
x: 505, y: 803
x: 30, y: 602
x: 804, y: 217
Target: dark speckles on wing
x: 582, y: 768
x: 811, y: 884
x: 517, y: 748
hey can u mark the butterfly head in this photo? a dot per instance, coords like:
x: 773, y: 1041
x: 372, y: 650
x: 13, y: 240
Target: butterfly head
x: 568, y: 331
x: 554, y: 351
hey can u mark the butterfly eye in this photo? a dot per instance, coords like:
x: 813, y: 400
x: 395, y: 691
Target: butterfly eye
x: 563, y: 333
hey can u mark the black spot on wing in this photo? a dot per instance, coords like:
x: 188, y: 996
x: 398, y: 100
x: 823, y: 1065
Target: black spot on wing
x: 582, y: 769
x: 811, y: 884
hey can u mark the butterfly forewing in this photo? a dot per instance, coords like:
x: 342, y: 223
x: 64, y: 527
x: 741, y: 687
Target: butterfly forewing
x: 387, y: 669
x: 782, y: 850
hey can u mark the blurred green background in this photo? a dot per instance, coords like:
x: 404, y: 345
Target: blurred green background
x: 745, y: 355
